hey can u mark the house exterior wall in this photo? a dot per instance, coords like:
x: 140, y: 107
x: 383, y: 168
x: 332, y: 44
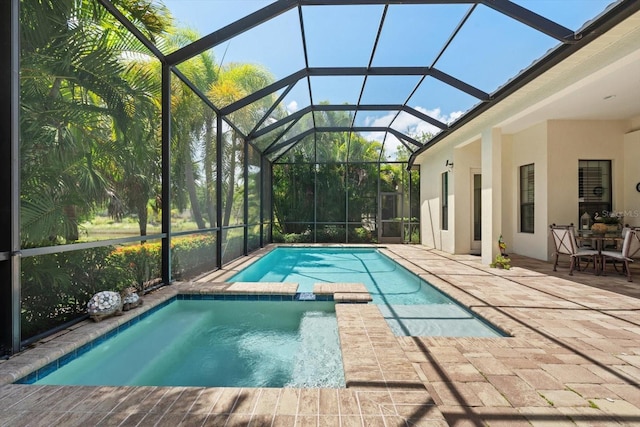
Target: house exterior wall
x: 570, y: 141
x: 526, y: 147
x: 631, y: 204
x: 554, y: 147
x: 467, y: 161
x: 430, y: 188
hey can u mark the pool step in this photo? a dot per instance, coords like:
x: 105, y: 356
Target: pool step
x: 262, y: 288
x: 344, y: 292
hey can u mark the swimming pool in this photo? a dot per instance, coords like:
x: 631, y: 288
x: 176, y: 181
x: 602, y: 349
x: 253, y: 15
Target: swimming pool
x: 215, y: 343
x: 411, y: 306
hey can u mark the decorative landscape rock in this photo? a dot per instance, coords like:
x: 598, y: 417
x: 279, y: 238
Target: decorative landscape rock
x: 130, y: 299
x: 104, y: 304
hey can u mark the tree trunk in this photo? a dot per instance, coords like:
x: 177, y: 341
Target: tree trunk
x: 143, y: 215
x: 193, y: 197
x: 228, y: 205
x: 209, y: 161
x: 71, y: 231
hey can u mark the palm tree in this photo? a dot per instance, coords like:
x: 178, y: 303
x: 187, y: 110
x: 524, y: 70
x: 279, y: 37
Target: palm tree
x: 193, y: 132
x: 235, y: 82
x: 79, y: 100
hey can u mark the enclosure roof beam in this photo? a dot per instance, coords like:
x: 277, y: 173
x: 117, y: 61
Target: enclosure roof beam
x: 400, y: 71
x: 350, y: 107
x: 206, y: 100
x: 282, y: 134
x: 308, y: 132
x: 405, y: 137
x: 130, y: 26
x: 425, y: 117
x: 532, y: 19
x: 505, y: 7
x: 356, y: 71
x: 230, y: 31
x: 354, y: 107
x: 265, y: 116
x: 275, y: 125
x: 290, y: 80
x: 289, y: 141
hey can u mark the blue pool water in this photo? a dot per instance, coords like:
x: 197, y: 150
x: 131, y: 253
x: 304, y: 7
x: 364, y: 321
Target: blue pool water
x: 217, y: 344
x: 411, y: 306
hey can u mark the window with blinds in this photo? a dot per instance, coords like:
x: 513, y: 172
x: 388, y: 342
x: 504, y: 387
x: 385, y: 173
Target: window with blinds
x: 527, y: 198
x: 594, y: 187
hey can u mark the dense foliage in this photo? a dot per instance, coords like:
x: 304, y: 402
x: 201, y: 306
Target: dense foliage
x: 326, y: 188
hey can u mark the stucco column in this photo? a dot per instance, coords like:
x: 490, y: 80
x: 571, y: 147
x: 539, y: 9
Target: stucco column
x: 491, y: 193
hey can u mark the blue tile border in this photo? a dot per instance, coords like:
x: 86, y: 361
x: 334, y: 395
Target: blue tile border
x: 301, y: 296
x: 63, y: 360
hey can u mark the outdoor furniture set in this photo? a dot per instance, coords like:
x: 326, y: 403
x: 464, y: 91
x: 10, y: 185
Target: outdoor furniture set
x: 594, y: 248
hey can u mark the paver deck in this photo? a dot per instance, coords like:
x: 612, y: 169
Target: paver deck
x: 573, y: 359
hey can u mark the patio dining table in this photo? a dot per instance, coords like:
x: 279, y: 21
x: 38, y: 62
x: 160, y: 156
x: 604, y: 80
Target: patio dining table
x: 598, y: 242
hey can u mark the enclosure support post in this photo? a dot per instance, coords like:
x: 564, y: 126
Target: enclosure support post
x: 166, y: 173
x: 271, y: 206
x: 315, y: 188
x: 346, y: 200
x: 262, y: 174
x: 9, y: 178
x: 245, y: 199
x: 219, y: 190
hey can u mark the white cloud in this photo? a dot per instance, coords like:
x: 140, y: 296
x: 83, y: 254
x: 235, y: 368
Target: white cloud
x: 407, y: 124
x: 410, y: 124
x: 292, y: 107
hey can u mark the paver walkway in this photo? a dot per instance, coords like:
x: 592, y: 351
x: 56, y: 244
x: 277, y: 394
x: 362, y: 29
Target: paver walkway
x: 573, y: 359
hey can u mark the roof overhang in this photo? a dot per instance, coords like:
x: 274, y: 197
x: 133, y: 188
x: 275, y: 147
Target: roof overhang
x: 575, y: 82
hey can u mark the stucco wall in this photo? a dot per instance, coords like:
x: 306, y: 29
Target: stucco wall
x: 467, y: 161
x: 431, y: 170
x: 631, y: 205
x: 526, y: 147
x: 555, y: 147
x: 570, y: 141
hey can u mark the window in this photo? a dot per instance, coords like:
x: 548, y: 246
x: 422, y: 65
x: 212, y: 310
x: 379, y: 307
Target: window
x: 594, y: 188
x: 527, y: 198
x: 444, y: 201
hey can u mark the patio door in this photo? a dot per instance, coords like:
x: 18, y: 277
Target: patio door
x: 391, y: 218
x: 476, y: 211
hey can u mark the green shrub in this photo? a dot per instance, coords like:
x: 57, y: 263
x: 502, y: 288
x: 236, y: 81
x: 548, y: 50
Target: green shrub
x: 330, y: 234
x: 360, y: 235
x: 192, y: 255
x: 277, y: 236
x: 56, y: 288
x: 305, y: 237
x: 142, y: 260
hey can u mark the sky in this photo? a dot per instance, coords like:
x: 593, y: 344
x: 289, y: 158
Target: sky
x: 489, y: 50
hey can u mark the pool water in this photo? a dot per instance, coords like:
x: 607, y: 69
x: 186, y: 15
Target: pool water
x: 218, y: 344
x: 387, y: 281
x: 411, y: 306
